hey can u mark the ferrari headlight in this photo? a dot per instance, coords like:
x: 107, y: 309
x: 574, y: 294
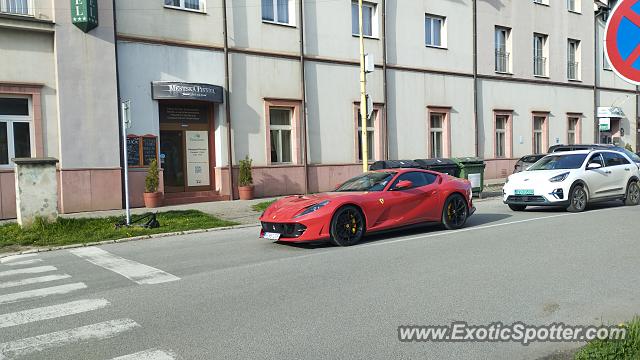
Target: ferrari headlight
x: 559, y: 178
x: 312, y: 208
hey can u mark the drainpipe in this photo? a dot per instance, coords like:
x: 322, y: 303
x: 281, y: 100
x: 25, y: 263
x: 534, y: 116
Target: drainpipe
x: 303, y: 117
x: 227, y: 102
x: 475, y: 77
x: 596, y: 124
x: 385, y: 122
x: 120, y: 134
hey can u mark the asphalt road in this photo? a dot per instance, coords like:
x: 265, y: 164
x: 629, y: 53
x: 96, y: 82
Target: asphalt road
x: 229, y: 294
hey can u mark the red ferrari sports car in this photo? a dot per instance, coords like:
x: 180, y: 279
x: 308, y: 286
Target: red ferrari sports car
x: 371, y: 202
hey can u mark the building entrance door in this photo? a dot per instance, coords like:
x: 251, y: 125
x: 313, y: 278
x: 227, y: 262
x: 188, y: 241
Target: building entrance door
x: 186, y: 146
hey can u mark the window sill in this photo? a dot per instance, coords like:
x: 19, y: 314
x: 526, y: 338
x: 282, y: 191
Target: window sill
x: 203, y: 12
x: 436, y: 47
x: 282, y: 165
x: 541, y: 4
x: 504, y: 73
x: 293, y: 26
x: 575, y: 12
x: 366, y: 37
x: 607, y: 69
x: 541, y: 76
x: 575, y: 80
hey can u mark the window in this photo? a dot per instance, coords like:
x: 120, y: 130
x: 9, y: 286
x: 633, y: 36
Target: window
x: 539, y: 55
x: 573, y: 59
x: 371, y: 133
x: 502, y: 38
x: 614, y: 159
x: 417, y: 178
x: 434, y: 30
x: 277, y: 11
x: 573, y: 5
x: 501, y: 136
x: 369, y: 19
x: 596, y: 158
x: 436, y: 129
x: 16, y: 7
x: 573, y: 132
x: 539, y: 133
x: 280, y: 129
x: 197, y: 5
x: 15, y: 128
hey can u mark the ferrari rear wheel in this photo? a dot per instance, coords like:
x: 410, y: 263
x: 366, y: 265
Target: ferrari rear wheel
x: 455, y: 212
x: 347, y: 226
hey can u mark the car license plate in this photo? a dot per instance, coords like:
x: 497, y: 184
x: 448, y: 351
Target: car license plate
x: 272, y: 236
x: 524, y: 192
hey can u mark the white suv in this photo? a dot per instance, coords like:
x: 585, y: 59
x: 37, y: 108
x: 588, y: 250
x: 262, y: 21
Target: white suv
x: 573, y: 179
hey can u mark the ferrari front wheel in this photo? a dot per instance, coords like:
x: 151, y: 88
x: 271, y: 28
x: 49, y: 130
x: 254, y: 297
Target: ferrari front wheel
x: 455, y: 212
x: 347, y: 226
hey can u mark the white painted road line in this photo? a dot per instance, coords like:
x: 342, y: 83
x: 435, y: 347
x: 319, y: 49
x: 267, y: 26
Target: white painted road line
x: 148, y: 355
x: 37, y: 293
x: 51, y: 312
x: 25, y: 262
x: 35, y: 280
x: 139, y: 273
x: 15, y: 257
x: 99, y: 331
x: 31, y: 270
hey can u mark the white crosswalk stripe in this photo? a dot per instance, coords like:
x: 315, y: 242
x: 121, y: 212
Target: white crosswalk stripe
x: 16, y: 257
x: 51, y: 312
x: 31, y: 270
x: 24, y: 262
x: 137, y: 272
x: 99, y: 331
x: 37, y: 293
x: 35, y: 280
x: 148, y: 355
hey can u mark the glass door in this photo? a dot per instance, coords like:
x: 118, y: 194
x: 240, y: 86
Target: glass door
x: 172, y: 160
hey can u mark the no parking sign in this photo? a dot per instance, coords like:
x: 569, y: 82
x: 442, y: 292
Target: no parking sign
x: 622, y: 40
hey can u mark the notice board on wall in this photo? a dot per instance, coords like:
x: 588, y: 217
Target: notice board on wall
x: 133, y: 150
x: 149, y: 149
x: 141, y: 150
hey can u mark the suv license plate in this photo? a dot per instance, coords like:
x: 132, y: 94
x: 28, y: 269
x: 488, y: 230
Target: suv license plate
x: 524, y: 192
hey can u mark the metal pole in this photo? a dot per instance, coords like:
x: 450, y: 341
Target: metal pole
x: 124, y: 109
x: 363, y: 94
x: 227, y: 100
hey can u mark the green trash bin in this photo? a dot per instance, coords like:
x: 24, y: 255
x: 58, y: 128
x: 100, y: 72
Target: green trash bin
x: 472, y: 169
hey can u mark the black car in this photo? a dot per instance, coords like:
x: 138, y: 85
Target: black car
x: 527, y: 161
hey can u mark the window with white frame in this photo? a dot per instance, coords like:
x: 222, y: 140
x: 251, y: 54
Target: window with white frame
x: 436, y: 135
x: 434, y: 31
x: 502, y: 48
x: 15, y: 128
x: 281, y: 128
x: 501, y: 136
x: 16, y: 7
x: 538, y: 134
x: 371, y: 133
x: 196, y: 5
x: 369, y: 19
x: 572, y: 131
x: 573, y: 5
x: 540, y: 61
x: 278, y: 11
x: 573, y: 59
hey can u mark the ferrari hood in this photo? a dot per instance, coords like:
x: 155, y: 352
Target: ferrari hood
x: 290, y: 206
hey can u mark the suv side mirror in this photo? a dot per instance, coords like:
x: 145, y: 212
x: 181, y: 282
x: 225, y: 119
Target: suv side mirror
x: 403, y: 184
x: 594, y: 166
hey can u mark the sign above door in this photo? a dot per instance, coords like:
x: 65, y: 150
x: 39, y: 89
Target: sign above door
x: 166, y: 90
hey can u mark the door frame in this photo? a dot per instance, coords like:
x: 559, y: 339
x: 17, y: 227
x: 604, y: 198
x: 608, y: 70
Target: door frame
x: 209, y: 127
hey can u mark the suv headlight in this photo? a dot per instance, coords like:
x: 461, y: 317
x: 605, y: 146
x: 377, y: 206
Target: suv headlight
x: 312, y: 208
x: 559, y: 178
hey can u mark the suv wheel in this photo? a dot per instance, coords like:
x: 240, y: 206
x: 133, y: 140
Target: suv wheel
x: 578, y: 199
x: 632, y: 198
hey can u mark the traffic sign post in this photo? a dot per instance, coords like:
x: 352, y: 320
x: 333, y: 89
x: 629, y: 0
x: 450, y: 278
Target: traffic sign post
x: 622, y: 40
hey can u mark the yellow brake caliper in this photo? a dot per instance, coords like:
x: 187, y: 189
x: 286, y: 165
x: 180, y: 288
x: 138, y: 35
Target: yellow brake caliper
x: 450, y: 210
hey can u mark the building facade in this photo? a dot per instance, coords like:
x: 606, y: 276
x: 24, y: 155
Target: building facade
x: 212, y: 82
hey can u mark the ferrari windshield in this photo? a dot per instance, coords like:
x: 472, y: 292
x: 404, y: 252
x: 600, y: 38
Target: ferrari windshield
x: 559, y: 162
x: 371, y: 181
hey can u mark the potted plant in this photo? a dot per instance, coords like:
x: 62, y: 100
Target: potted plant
x: 152, y: 197
x: 245, y: 179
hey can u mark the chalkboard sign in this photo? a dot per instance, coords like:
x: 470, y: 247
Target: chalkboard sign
x: 149, y: 149
x: 133, y: 151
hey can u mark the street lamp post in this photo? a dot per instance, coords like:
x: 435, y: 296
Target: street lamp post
x: 363, y: 93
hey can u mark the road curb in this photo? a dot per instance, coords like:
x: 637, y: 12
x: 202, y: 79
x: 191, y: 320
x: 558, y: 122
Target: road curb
x: 124, y: 240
